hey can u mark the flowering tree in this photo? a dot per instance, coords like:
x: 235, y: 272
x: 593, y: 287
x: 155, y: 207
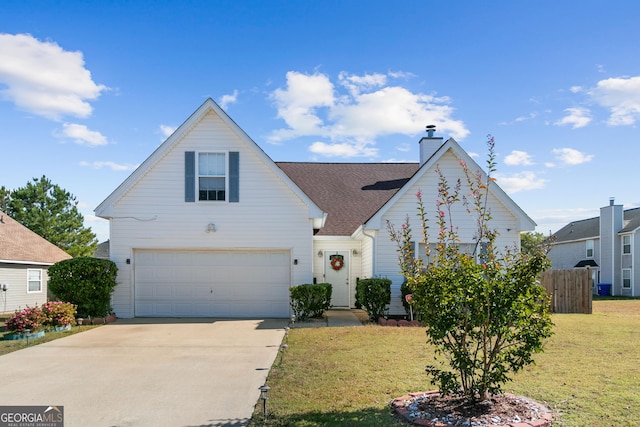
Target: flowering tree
x: 485, y: 312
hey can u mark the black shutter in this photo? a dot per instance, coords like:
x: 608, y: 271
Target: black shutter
x: 234, y: 176
x: 189, y: 176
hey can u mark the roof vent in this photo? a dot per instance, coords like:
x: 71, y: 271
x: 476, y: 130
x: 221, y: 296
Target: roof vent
x: 430, y: 130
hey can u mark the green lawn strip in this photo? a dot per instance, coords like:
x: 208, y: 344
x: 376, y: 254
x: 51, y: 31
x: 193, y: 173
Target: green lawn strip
x: 8, y: 346
x: 589, y: 373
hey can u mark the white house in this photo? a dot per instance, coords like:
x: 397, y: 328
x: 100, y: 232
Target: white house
x: 209, y: 225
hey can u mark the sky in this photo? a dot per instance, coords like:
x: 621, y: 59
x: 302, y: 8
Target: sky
x: 89, y: 89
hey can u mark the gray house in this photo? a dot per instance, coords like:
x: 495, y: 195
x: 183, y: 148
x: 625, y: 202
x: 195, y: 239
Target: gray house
x: 607, y: 245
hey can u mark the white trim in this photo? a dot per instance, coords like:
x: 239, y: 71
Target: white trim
x: 11, y: 261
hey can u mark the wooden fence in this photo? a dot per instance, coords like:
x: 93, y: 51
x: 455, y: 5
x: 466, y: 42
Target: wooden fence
x: 570, y: 290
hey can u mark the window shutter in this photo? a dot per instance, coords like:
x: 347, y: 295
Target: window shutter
x: 234, y: 176
x: 189, y: 176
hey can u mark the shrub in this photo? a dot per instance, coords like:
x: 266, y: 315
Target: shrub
x: 310, y: 300
x: 484, y: 309
x: 374, y: 295
x: 30, y: 318
x: 58, y: 313
x: 85, y: 282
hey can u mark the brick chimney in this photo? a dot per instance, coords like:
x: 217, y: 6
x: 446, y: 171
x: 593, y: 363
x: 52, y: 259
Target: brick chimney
x: 429, y: 144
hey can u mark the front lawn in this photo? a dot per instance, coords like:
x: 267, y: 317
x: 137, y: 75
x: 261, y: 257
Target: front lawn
x: 589, y: 374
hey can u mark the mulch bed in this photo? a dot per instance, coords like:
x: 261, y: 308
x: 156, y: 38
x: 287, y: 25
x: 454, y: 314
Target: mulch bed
x: 433, y: 410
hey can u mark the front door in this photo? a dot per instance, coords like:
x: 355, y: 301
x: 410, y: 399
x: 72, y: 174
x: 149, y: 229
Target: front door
x: 336, y: 272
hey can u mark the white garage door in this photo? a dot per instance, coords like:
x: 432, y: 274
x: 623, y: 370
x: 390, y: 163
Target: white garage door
x: 211, y: 283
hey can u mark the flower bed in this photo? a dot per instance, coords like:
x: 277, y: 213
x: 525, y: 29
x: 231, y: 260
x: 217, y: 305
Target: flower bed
x: 51, y: 315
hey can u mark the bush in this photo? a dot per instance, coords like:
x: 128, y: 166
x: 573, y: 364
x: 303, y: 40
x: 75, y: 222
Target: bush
x: 30, y: 318
x: 310, y: 300
x: 373, y: 295
x: 486, y: 313
x: 58, y: 313
x: 85, y: 282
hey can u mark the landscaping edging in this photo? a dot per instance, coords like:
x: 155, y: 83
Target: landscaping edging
x: 402, y: 322
x: 19, y: 336
x: 401, y: 406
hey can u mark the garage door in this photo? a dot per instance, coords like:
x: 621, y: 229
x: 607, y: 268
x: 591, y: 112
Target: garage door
x: 211, y: 283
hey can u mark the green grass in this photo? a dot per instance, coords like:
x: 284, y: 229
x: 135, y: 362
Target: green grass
x: 9, y: 346
x: 589, y: 374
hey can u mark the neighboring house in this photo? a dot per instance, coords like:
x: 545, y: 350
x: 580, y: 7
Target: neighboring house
x: 102, y: 251
x: 25, y: 258
x: 607, y: 245
x: 209, y: 225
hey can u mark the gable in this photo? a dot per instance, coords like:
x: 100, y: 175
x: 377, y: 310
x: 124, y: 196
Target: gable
x: 21, y: 245
x: 448, y: 158
x: 170, y: 174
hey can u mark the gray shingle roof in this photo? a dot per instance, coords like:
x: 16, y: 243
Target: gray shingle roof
x: 590, y: 228
x: 350, y: 193
x: 19, y: 244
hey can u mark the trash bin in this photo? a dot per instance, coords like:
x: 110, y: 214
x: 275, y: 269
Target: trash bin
x: 604, y: 289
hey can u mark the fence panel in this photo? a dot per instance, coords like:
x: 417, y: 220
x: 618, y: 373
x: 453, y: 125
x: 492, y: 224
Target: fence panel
x: 570, y: 290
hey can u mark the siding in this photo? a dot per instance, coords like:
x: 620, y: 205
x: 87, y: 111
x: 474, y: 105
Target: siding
x: 387, y: 258
x: 152, y: 212
x: 16, y: 297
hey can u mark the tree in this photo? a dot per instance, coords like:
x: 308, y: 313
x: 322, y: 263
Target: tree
x: 51, y: 212
x: 530, y: 242
x: 485, y: 312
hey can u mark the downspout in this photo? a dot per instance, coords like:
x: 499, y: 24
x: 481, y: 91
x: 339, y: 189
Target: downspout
x: 375, y: 250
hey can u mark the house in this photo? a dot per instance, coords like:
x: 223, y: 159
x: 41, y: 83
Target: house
x: 606, y: 244
x: 209, y: 225
x: 25, y: 258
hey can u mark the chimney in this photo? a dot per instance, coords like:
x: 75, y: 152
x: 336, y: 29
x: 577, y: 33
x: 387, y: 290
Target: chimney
x: 611, y: 222
x: 429, y: 144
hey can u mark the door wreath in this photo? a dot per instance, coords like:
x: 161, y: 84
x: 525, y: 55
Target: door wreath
x: 337, y: 262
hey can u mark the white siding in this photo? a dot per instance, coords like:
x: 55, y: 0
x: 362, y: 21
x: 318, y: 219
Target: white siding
x: 152, y: 214
x: 503, y: 220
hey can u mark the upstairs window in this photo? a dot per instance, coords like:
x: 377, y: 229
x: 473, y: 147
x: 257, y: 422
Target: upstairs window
x: 589, y: 248
x: 212, y: 176
x: 626, y: 244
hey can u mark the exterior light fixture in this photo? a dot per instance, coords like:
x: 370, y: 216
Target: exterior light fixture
x: 319, y: 254
x: 211, y: 228
x: 264, y: 395
x: 283, y: 347
x: 355, y: 252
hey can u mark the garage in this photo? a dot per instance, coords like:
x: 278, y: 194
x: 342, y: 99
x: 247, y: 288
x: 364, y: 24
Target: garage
x: 170, y: 283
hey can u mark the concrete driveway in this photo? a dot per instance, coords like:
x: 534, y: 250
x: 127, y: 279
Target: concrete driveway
x: 148, y: 372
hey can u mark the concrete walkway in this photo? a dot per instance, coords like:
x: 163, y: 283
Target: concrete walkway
x: 148, y: 372
x: 332, y: 318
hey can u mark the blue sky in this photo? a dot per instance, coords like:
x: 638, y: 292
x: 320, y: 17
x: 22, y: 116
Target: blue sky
x: 89, y: 89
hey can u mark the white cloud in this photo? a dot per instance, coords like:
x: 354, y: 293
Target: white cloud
x: 227, y: 100
x: 522, y: 181
x: 166, y: 131
x: 110, y: 165
x: 518, y: 158
x: 311, y: 105
x: 342, y: 150
x: 621, y: 96
x: 82, y: 135
x: 575, y: 89
x: 44, y: 79
x: 577, y: 117
x: 570, y: 156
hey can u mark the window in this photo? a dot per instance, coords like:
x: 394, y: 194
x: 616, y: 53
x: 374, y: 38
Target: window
x: 589, y: 248
x: 34, y: 280
x: 626, y: 244
x: 626, y: 278
x: 212, y: 176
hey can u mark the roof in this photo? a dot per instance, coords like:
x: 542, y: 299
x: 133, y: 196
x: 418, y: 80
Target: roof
x: 23, y: 246
x: 350, y: 193
x: 590, y: 228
